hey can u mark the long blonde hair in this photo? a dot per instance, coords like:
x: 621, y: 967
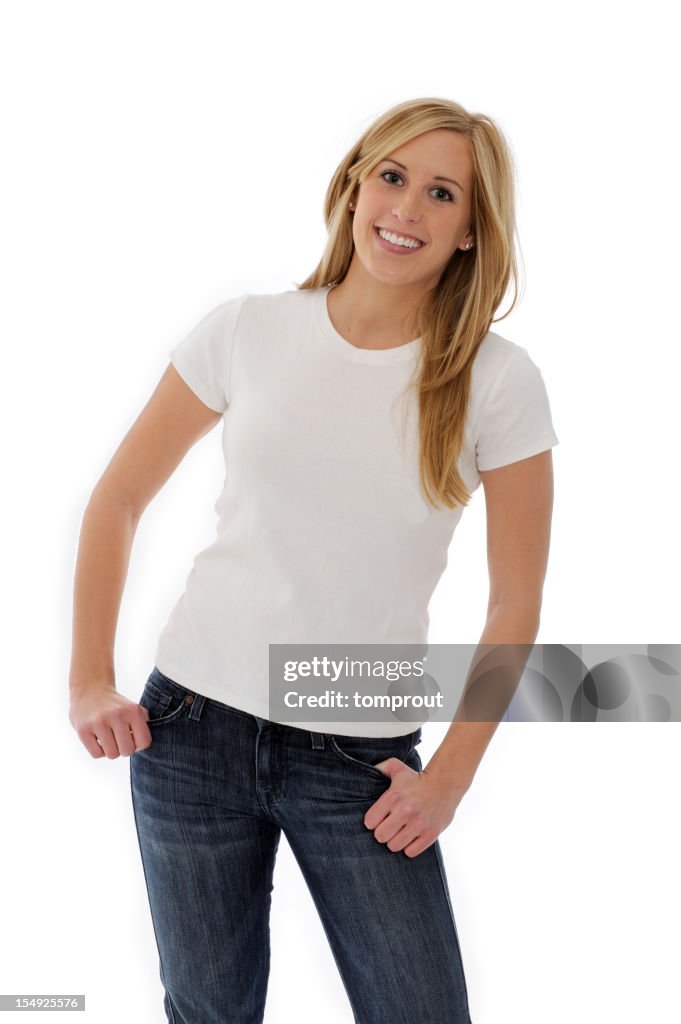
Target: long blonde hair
x: 455, y: 316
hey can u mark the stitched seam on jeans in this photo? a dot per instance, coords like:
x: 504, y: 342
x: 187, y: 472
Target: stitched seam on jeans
x: 168, y: 718
x: 356, y: 761
x: 438, y: 856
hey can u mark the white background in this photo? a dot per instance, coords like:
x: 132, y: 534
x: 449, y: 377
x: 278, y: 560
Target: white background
x: 162, y: 157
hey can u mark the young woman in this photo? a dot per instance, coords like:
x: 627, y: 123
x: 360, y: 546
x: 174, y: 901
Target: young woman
x: 360, y: 410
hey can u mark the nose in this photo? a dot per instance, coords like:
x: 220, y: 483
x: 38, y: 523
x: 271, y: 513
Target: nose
x: 406, y: 209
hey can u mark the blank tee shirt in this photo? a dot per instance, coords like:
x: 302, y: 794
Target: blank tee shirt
x: 323, y: 533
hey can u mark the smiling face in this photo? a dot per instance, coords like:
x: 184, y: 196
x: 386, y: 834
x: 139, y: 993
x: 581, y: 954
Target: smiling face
x: 407, y: 195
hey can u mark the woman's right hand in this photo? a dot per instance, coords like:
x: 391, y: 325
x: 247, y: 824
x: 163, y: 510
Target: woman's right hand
x: 109, y: 724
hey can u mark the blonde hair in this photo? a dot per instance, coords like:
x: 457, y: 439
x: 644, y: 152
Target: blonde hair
x: 455, y: 316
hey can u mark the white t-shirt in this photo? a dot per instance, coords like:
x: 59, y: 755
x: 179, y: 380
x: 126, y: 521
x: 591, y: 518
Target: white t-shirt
x: 323, y: 534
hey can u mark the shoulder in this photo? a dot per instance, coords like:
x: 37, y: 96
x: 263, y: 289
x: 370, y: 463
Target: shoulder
x: 509, y: 412
x: 276, y: 319
x: 250, y: 307
x: 505, y: 382
x: 502, y: 365
x: 255, y: 303
x: 494, y: 356
x: 294, y: 300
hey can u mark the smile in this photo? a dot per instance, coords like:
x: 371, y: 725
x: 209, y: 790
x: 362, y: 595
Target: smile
x: 395, y: 243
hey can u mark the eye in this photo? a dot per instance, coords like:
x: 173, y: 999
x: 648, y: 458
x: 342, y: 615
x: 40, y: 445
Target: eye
x: 450, y: 197
x: 390, y: 172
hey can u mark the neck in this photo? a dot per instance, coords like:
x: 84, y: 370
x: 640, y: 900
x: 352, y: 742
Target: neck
x: 371, y: 313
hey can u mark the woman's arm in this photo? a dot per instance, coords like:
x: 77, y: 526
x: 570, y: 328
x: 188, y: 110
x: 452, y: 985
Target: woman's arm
x: 172, y: 421
x: 519, y: 504
x: 417, y: 807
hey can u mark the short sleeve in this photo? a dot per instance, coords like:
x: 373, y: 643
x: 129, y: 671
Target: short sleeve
x: 515, y: 421
x: 204, y: 357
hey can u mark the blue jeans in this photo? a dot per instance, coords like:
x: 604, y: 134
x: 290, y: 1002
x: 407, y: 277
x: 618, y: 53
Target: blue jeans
x: 211, y: 796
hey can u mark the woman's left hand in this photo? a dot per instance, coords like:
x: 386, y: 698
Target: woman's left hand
x: 412, y: 813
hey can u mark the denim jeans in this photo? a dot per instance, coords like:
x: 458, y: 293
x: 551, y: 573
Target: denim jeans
x: 211, y: 796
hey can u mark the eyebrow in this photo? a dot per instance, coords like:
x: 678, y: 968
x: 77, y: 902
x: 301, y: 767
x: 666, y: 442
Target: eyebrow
x: 436, y: 177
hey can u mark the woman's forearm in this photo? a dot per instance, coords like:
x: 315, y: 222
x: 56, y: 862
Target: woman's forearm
x: 107, y: 532
x: 514, y: 627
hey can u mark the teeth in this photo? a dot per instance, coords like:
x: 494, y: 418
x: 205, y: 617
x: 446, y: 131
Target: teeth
x: 399, y: 240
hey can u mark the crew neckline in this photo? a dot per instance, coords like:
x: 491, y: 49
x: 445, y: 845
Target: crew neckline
x: 396, y: 354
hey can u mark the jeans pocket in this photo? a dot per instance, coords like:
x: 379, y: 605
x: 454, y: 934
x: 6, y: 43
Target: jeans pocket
x: 164, y: 699
x: 364, y: 752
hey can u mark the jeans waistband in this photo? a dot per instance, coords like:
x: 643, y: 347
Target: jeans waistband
x: 316, y: 738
